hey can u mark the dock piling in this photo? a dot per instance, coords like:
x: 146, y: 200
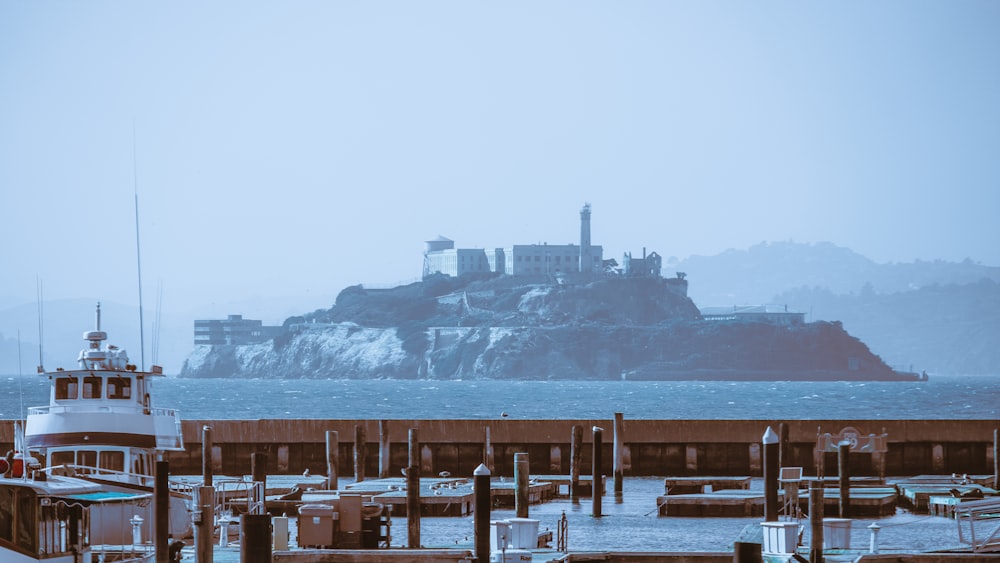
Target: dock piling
x: 488, y: 451
x: 996, y: 462
x: 206, y: 455
x: 597, y: 486
x: 481, y: 518
x: 521, y: 478
x: 783, y: 447
x: 258, y: 469
x: 844, y: 471
x: 332, y: 459
x: 619, y: 446
x: 203, y: 522
x: 816, y: 521
x: 383, y: 449
x: 161, y: 516
x: 772, y: 469
x: 360, y: 452
x: 413, y: 491
x: 575, y: 455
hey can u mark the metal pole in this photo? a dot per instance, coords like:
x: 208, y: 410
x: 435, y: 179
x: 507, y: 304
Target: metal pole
x: 843, y: 455
x: 332, y: 459
x: 161, y: 518
x: 413, y: 491
x: 596, y: 484
x: 619, y: 446
x: 359, y: 453
x: 816, y: 521
x: 384, y: 459
x: 481, y: 525
x: 771, y: 471
x: 206, y: 455
x: 521, y: 477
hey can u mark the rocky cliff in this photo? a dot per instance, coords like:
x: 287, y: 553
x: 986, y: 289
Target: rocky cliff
x: 502, y: 327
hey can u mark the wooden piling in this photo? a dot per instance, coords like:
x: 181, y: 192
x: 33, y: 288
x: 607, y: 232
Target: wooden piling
x: 843, y: 467
x: 258, y: 468
x: 206, y: 455
x: 359, y: 453
x: 488, y: 452
x: 816, y: 521
x: 772, y: 469
x: 413, y: 491
x: 481, y: 516
x: 596, y: 482
x: 996, y: 462
x: 783, y: 452
x: 204, y: 525
x: 332, y: 459
x: 619, y: 447
x: 161, y: 516
x: 521, y: 479
x: 575, y: 456
x: 384, y: 458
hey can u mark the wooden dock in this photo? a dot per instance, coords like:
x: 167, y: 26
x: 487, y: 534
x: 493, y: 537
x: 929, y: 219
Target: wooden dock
x: 724, y: 503
x: 696, y: 485
x: 916, y: 495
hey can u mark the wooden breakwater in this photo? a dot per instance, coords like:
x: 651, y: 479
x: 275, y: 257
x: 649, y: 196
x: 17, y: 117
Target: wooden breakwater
x: 649, y: 447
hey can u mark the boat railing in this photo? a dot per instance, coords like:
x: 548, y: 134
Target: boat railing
x: 81, y: 406
x: 124, y: 477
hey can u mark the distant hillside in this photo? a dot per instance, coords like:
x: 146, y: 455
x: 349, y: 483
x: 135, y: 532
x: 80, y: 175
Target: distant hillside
x: 756, y: 275
x: 943, y: 317
x: 504, y: 327
x: 951, y: 328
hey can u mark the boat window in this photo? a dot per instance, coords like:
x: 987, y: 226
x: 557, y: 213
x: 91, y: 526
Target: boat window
x: 66, y: 388
x: 86, y: 458
x: 115, y: 461
x: 62, y: 458
x: 6, y: 513
x: 92, y: 387
x: 119, y: 388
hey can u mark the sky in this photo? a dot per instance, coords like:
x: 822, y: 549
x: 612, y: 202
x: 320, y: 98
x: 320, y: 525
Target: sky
x: 296, y: 148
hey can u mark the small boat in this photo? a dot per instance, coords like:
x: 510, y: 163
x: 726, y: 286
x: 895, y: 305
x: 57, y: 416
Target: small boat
x: 59, y: 519
x: 102, y: 425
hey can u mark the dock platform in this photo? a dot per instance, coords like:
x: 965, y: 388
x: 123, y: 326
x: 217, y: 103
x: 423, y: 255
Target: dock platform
x: 695, y: 485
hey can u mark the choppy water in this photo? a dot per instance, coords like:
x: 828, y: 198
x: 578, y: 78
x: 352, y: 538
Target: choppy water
x: 943, y: 397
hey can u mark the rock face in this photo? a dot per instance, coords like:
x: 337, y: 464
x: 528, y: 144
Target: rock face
x: 502, y: 327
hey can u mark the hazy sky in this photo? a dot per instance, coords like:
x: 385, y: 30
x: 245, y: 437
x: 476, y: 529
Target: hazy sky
x: 300, y: 147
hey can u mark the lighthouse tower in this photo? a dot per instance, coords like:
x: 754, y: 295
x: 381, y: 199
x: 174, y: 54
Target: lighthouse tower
x: 586, y: 260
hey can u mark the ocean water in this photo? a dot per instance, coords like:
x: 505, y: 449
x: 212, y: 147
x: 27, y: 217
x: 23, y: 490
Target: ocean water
x: 943, y: 397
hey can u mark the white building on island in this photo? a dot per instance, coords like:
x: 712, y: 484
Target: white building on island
x: 441, y: 256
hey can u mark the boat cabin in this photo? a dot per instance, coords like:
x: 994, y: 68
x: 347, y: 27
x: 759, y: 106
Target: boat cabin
x: 35, y: 524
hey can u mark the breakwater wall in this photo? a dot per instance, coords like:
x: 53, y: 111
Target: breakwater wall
x: 650, y: 447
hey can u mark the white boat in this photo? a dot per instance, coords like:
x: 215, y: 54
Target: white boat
x: 60, y: 519
x: 102, y: 425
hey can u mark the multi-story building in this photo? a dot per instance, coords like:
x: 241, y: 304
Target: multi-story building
x: 232, y: 331
x: 441, y: 256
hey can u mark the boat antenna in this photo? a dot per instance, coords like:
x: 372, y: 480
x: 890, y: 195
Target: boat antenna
x: 20, y: 373
x: 38, y: 291
x: 156, y: 322
x: 138, y: 259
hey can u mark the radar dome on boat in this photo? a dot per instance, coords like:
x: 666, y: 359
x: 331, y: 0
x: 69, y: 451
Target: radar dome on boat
x: 95, y: 335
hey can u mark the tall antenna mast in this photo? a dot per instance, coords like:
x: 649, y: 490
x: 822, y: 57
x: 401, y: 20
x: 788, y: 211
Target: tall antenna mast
x: 138, y: 259
x: 38, y: 291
